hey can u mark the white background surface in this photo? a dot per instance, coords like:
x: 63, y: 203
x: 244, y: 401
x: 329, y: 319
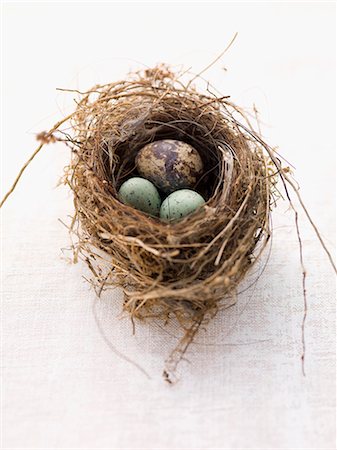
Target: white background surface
x: 63, y: 387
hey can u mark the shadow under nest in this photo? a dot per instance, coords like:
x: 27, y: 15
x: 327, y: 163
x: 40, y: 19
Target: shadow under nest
x: 186, y: 269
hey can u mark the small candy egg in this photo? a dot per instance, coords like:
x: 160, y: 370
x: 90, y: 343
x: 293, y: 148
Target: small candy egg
x: 179, y: 204
x: 141, y: 194
x: 170, y: 164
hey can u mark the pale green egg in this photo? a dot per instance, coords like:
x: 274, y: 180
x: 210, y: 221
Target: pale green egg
x: 141, y: 194
x: 180, y: 204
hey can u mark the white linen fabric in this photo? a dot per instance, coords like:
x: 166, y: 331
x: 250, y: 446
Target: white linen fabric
x: 65, y: 384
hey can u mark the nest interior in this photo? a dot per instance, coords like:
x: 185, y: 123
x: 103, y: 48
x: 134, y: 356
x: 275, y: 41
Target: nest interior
x: 189, y: 268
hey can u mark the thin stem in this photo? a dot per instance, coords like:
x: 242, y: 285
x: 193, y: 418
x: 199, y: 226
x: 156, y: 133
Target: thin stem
x: 213, y: 62
x: 17, y: 179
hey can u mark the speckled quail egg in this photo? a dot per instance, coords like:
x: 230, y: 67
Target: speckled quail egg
x: 170, y: 164
x: 179, y: 204
x: 141, y: 194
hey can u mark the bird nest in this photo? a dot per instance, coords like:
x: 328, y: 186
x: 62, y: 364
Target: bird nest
x: 187, y: 269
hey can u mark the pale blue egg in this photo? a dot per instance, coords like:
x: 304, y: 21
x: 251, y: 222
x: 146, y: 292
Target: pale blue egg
x: 141, y: 194
x: 179, y: 204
